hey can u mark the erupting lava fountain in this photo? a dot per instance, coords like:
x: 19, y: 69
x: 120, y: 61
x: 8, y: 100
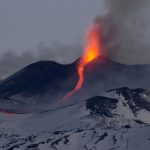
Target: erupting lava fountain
x: 91, y: 51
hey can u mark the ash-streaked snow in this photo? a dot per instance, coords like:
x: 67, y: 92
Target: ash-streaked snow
x: 99, y: 123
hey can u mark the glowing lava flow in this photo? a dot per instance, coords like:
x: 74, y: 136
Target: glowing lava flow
x: 92, y: 51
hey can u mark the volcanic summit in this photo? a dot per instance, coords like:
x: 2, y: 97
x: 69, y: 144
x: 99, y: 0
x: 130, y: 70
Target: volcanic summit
x: 41, y: 84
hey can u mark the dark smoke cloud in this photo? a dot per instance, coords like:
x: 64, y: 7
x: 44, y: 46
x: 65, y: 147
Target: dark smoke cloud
x: 10, y: 62
x: 126, y: 30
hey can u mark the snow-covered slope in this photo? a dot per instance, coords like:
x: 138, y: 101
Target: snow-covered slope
x: 119, y: 120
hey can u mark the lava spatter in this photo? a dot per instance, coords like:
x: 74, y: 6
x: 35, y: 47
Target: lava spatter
x: 91, y: 51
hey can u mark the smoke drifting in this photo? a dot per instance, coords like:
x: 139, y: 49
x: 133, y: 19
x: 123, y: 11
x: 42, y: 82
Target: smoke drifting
x: 10, y: 62
x: 126, y: 30
x: 126, y: 39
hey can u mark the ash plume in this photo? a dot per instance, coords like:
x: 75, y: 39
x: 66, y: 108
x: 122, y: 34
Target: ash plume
x: 126, y: 30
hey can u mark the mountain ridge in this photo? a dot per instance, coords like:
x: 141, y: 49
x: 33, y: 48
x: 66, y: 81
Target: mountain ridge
x: 43, y: 84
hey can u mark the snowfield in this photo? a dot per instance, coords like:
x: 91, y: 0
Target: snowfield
x: 119, y: 120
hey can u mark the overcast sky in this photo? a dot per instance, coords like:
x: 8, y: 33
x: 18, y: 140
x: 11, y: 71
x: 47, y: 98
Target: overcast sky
x: 24, y: 23
x: 61, y: 26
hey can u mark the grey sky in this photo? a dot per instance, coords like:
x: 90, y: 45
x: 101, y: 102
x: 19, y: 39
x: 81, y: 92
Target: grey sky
x: 24, y: 23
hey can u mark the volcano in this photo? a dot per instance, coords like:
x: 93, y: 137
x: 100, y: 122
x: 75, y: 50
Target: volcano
x: 42, y: 85
x: 97, y: 116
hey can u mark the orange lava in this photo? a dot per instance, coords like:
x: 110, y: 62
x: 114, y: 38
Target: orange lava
x: 7, y: 112
x: 92, y: 50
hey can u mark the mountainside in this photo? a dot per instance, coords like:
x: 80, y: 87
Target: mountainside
x: 118, y: 120
x: 42, y: 85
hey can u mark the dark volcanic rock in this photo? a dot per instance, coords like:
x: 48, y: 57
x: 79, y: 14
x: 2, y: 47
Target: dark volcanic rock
x: 101, y: 106
x: 134, y: 98
x: 39, y: 78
